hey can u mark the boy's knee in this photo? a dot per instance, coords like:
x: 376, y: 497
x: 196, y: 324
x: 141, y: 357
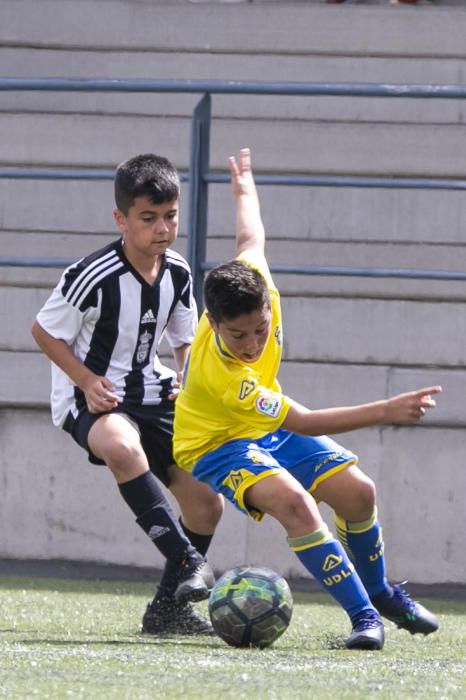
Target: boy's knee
x: 195, y: 497
x: 366, y: 495
x: 201, y: 513
x: 361, y: 501
x: 211, y: 504
x: 122, y: 455
x: 296, y: 508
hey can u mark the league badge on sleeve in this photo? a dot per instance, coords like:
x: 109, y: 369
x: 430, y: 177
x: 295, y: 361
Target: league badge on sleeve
x: 269, y: 404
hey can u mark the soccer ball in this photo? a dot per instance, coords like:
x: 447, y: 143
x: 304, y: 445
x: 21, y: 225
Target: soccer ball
x: 250, y: 606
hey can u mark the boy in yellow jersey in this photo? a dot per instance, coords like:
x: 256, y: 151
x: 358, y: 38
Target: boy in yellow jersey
x: 236, y: 431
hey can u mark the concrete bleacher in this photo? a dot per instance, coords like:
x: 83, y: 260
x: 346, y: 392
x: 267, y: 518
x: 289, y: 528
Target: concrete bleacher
x: 347, y: 340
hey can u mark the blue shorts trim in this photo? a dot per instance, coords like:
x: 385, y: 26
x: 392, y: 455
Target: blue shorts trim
x: 235, y: 466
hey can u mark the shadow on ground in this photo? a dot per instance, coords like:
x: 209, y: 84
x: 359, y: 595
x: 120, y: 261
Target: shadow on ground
x: 93, y: 571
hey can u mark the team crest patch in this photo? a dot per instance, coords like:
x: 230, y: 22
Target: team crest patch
x: 268, y: 404
x: 247, y: 387
x: 143, y: 347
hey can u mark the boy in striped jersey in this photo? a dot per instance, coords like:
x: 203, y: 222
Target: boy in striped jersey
x: 101, y: 327
x: 236, y: 431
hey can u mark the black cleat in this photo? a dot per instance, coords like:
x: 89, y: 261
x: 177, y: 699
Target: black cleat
x: 367, y: 633
x: 398, y: 607
x: 195, y: 579
x: 165, y: 616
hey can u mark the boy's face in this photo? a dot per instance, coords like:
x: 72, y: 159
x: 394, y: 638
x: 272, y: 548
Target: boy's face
x: 148, y: 229
x: 246, y: 335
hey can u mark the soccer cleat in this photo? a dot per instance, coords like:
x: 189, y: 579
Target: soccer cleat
x: 165, y: 616
x: 195, y: 579
x: 398, y: 607
x: 367, y: 633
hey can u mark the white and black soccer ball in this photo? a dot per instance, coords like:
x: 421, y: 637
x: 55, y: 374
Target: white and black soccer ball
x: 250, y: 606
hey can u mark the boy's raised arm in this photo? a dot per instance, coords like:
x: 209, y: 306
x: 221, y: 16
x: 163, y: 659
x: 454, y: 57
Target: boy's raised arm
x: 249, y: 227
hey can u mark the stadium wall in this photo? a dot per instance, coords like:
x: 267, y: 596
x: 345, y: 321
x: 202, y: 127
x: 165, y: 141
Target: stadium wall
x: 347, y: 340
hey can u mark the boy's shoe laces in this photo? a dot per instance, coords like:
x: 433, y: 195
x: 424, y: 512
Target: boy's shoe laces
x: 367, y: 632
x: 401, y: 596
x: 366, y: 620
x: 400, y: 608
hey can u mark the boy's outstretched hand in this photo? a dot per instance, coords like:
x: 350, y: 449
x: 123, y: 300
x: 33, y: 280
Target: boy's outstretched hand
x: 410, y: 407
x: 242, y: 179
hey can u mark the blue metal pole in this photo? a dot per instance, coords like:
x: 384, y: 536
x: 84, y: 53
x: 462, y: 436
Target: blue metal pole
x: 402, y: 183
x: 242, y: 87
x: 378, y: 272
x: 198, y: 193
x: 26, y: 173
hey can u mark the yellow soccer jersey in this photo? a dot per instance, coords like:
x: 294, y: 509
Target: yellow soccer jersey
x: 224, y: 399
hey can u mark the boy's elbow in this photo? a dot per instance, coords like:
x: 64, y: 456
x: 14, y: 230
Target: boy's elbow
x: 34, y: 329
x: 37, y: 333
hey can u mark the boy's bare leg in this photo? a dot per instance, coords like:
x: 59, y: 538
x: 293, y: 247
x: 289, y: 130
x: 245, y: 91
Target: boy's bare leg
x: 350, y: 493
x: 201, y: 508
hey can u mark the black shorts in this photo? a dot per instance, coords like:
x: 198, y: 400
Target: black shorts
x: 155, y: 427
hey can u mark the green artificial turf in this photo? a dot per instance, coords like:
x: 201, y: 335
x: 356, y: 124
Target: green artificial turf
x: 80, y: 639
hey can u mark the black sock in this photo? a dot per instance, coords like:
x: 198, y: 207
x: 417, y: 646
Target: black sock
x: 201, y: 542
x: 156, y: 517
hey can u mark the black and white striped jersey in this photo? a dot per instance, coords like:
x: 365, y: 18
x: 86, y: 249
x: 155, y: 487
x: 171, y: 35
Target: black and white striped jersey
x: 113, y: 320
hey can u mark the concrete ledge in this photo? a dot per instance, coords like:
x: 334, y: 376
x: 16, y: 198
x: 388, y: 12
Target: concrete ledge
x: 356, y: 330
x: 313, y: 253
x: 68, y: 520
x: 380, y: 331
x: 25, y: 381
x: 361, y: 330
x: 314, y: 215
x: 129, y: 63
x: 349, y: 148
x: 282, y: 27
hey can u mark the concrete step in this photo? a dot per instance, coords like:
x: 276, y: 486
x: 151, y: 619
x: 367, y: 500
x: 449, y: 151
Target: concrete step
x: 319, y: 385
x: 298, y: 213
x: 260, y: 27
x: 353, y: 330
x: 301, y: 250
x: 86, y: 63
x: 297, y: 251
x: 273, y: 41
x: 418, y: 230
x: 73, y: 140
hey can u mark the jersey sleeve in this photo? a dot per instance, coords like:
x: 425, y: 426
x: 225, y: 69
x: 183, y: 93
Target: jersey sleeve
x: 182, y: 323
x: 59, y: 318
x: 249, y: 402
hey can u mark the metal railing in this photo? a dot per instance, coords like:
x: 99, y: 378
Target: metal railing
x: 199, y: 176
